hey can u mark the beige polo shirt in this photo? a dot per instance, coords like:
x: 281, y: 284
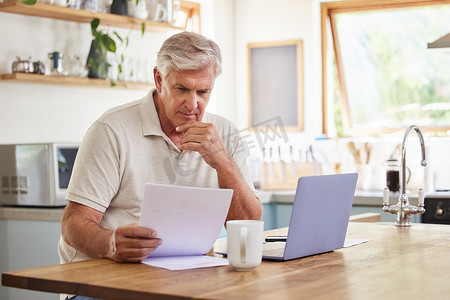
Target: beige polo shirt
x: 125, y: 148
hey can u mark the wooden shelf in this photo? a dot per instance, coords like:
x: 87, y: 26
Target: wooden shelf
x: 74, y: 81
x: 81, y: 15
x: 84, y: 16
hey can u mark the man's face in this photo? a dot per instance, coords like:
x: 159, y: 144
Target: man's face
x: 183, y: 95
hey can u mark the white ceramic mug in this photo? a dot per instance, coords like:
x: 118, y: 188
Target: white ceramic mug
x: 160, y: 13
x: 63, y: 3
x: 244, y: 243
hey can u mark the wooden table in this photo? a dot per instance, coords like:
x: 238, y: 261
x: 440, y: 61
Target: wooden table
x: 398, y: 263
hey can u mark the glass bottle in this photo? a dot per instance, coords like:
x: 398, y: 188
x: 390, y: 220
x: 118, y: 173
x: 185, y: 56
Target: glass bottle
x: 393, y: 174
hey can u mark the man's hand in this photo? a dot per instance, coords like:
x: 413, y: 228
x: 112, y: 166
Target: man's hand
x: 204, y: 138
x: 80, y: 227
x: 133, y: 243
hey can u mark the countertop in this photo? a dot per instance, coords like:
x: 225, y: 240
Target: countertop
x: 48, y: 214
x: 415, y: 256
x: 362, y: 198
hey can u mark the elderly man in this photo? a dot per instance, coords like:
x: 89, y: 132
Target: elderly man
x: 166, y: 137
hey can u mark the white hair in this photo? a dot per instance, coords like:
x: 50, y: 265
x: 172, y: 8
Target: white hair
x: 188, y: 51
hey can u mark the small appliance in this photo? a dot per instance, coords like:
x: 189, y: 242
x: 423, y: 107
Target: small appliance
x: 437, y: 208
x: 35, y: 175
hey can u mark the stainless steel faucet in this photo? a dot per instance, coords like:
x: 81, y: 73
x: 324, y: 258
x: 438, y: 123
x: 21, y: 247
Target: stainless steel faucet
x: 403, y: 208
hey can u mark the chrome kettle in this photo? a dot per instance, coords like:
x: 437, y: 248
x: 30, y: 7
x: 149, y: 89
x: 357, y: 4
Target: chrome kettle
x: 22, y: 66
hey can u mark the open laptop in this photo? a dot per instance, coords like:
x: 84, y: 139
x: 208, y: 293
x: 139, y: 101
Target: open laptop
x: 319, y: 218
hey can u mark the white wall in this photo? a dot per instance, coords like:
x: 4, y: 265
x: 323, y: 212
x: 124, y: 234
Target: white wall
x: 270, y: 20
x: 240, y: 22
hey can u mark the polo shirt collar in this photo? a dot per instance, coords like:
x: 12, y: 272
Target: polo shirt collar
x: 149, y: 116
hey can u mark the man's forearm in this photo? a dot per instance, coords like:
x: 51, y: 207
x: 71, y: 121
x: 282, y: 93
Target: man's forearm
x: 244, y: 204
x: 83, y: 233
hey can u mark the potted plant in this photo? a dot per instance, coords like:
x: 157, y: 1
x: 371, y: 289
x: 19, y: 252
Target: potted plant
x: 97, y: 61
x: 102, y: 42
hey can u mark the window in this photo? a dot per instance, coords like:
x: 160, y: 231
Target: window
x: 382, y: 76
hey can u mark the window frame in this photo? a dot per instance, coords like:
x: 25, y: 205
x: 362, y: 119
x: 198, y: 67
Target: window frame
x: 328, y: 12
x: 192, y: 11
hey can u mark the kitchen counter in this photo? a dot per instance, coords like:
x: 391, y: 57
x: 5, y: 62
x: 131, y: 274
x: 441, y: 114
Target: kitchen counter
x: 396, y: 263
x: 50, y: 214
x: 362, y: 198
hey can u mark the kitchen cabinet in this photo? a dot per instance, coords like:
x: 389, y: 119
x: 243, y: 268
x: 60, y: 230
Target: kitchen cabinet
x: 43, y: 10
x: 278, y: 208
x: 28, y: 238
x: 276, y: 215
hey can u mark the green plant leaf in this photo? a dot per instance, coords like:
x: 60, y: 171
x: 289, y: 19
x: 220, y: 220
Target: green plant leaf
x: 28, y: 2
x: 94, y: 24
x: 142, y: 27
x: 97, y: 38
x: 118, y: 36
x: 109, y: 43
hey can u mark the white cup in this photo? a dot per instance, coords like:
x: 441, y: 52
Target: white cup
x: 157, y: 10
x: 244, y: 243
x: 63, y: 3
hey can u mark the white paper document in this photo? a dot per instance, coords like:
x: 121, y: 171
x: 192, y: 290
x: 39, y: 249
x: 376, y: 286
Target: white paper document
x: 188, y: 220
x: 185, y: 262
x: 349, y: 242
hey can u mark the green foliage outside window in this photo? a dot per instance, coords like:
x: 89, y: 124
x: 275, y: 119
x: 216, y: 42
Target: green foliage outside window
x: 392, y: 79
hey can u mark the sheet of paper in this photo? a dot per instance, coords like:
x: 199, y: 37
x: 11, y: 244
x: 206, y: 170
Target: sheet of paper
x: 352, y: 242
x: 188, y: 220
x: 185, y: 262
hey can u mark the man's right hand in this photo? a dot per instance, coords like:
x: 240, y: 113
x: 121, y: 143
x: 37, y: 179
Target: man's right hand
x: 80, y: 228
x: 133, y: 243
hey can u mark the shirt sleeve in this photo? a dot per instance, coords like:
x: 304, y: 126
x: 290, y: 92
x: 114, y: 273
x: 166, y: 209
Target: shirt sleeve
x: 96, y: 176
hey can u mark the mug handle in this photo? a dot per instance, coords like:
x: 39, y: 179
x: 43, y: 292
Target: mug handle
x: 243, y: 244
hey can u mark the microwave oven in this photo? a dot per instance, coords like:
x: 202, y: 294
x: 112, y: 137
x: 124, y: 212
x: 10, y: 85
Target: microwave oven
x: 35, y: 175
